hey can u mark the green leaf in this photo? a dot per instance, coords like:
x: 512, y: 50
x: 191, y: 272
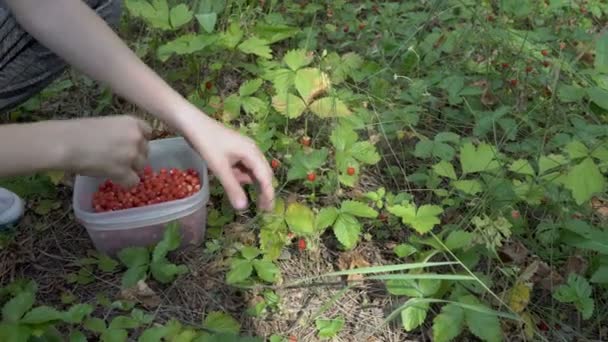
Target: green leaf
x: 549, y: 162
x: 347, y: 229
x: 598, y: 96
x: 311, y: 83
x: 250, y: 87
x: 404, y: 250
x: 296, y: 59
x: 459, y: 239
x: 77, y: 313
x: 601, y: 53
x: 329, y: 328
x: 522, y: 167
x: 133, y: 275
x: 330, y: 107
x: 414, y: 315
x: 154, y: 334
x: 413, y: 288
x: 482, y: 324
x: 249, y: 252
x: 232, y: 107
x: 600, y: 275
x: 114, y: 335
x: 134, y: 256
x: 266, y: 270
x: 577, y: 149
x: 256, y: 46
x: 180, y: 15
x: 231, y: 38
x: 326, y: 217
x: 358, y: 209
x: 123, y: 322
x: 156, y: 12
x: 422, y: 219
x: 468, y: 186
x: 41, y: 314
x: 77, y: 336
x: 170, y: 242
x: 568, y: 93
x: 448, y: 324
x: 240, y: 270
x: 303, y: 162
x: 445, y: 169
x: 207, y: 21
x: 343, y: 137
x: 578, y: 291
x: 365, y: 152
x: 220, y: 322
x: 14, y: 309
x: 480, y: 159
x: 288, y: 105
x: 300, y: 219
x: 166, y: 272
x: 585, y: 180
x: 184, y: 45
x: 95, y: 325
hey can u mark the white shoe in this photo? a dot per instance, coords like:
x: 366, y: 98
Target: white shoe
x: 11, y: 208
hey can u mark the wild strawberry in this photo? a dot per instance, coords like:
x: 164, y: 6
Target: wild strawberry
x: 350, y: 171
x: 301, y: 244
x: 529, y: 69
x: 311, y: 176
x: 513, y: 82
x: 545, y: 53
x: 505, y: 65
x: 542, y: 326
x: 361, y: 26
x: 515, y: 214
x: 275, y: 163
x: 383, y: 217
x: 346, y: 29
x: 208, y: 85
x: 290, y: 236
x: 546, y: 64
x: 292, y: 338
x: 490, y: 18
x: 305, y: 140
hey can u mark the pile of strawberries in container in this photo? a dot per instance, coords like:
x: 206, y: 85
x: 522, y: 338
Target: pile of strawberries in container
x: 154, y: 187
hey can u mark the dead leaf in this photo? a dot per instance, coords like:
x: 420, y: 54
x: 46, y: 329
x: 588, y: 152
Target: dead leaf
x: 141, y: 293
x: 600, y: 207
x: 351, y: 260
x: 513, y: 252
x: 541, y: 274
x: 488, y: 98
x: 576, y: 264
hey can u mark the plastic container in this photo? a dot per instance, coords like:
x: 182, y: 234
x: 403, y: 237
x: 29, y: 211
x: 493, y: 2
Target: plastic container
x: 144, y: 226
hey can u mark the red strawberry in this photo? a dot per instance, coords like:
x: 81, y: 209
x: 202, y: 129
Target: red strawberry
x: 275, y: 163
x: 529, y: 69
x: 546, y: 64
x: 513, y: 82
x: 350, y: 170
x: 311, y: 176
x: 305, y: 140
x: 515, y: 214
x: 505, y: 65
x: 361, y: 26
x: 208, y: 85
x: 301, y: 244
x: 346, y: 29
x: 545, y: 53
x: 542, y: 326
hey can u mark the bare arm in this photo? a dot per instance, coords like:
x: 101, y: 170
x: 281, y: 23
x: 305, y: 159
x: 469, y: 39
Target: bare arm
x: 73, y: 31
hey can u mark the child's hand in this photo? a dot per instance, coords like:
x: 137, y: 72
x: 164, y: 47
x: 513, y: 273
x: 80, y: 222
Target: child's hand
x: 234, y: 159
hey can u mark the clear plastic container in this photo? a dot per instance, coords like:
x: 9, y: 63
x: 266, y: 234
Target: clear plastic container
x: 144, y: 226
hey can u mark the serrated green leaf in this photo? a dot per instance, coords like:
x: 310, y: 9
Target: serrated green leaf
x: 300, y: 219
x: 232, y: 108
x: 343, y: 137
x: 133, y: 275
x: 549, y: 162
x: 414, y: 315
x: 468, y: 186
x: 249, y: 252
x: 329, y: 328
x: 41, y: 314
x: 459, y: 239
x: 522, y: 167
x: 480, y: 159
x: 17, y: 306
x: 598, y: 96
x: 207, y: 21
x: 221, y: 323
x: 481, y: 324
x: 422, y: 219
x: 600, y: 275
x: 577, y: 149
x: 254, y: 105
x: 266, y: 270
x: 94, y: 324
x: 365, y: 152
x: 240, y: 270
x: 347, y: 230
x: 296, y: 59
x: 585, y: 180
x: 330, y: 107
x: 358, y: 209
x: 445, y: 169
x: 180, y: 15
x: 256, y: 46
x: 154, y: 334
x: 249, y: 87
x: 170, y: 242
x: 123, y: 322
x: 155, y: 12
x: 231, y: 38
x: 77, y: 313
x: 184, y: 45
x: 312, y: 83
x: 326, y: 217
x: 448, y: 324
x: 404, y: 250
x: 288, y: 105
x: 413, y: 288
x: 107, y: 264
x: 568, y: 93
x: 166, y: 272
x: 303, y: 162
x: 114, y: 335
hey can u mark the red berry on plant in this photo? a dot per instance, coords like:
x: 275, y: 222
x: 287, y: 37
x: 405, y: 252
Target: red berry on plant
x: 546, y: 64
x: 301, y: 244
x: 490, y: 18
x: 361, y: 26
x: 208, y: 85
x: 350, y: 170
x: 545, y: 53
x: 542, y: 326
x: 515, y: 214
x: 275, y: 163
x: 346, y: 29
x: 529, y: 69
x: 505, y: 65
x: 311, y: 176
x: 513, y: 82
x: 305, y: 140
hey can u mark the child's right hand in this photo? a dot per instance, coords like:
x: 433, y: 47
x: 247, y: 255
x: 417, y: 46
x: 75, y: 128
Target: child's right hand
x: 115, y: 147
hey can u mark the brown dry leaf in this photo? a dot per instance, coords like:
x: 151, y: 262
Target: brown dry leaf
x: 576, y: 264
x: 141, y: 293
x: 352, y: 260
x: 600, y: 207
x: 513, y: 251
x: 487, y: 98
x: 538, y: 272
x: 237, y: 232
